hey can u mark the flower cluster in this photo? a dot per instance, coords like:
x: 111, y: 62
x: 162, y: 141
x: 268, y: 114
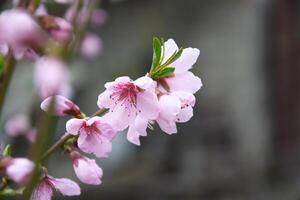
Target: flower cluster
x: 26, y: 36
x: 164, y: 95
x: 133, y: 104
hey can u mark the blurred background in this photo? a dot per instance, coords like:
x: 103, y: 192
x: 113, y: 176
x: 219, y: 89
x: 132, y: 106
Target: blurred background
x: 243, y: 141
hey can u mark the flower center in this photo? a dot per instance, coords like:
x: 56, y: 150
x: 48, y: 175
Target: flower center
x: 125, y: 93
x: 90, y: 129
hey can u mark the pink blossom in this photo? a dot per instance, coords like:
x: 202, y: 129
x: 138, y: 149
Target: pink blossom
x: 19, y: 126
x: 91, y: 45
x: 94, y: 135
x: 63, y: 30
x: 86, y: 169
x: 19, y: 169
x: 44, y: 191
x: 175, y: 107
x: 51, y: 77
x: 182, y: 80
x: 128, y: 99
x: 63, y: 106
x: 20, y: 32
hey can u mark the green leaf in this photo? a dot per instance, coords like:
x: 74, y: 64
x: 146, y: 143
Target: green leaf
x: 156, y: 53
x: 173, y: 58
x: 2, y: 62
x: 165, y: 72
x: 7, y: 150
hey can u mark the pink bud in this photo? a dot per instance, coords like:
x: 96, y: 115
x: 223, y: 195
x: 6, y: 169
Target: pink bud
x: 86, y: 169
x: 91, y: 45
x: 51, y: 77
x: 19, y: 169
x: 20, y: 32
x: 63, y: 31
x: 17, y: 125
x: 63, y: 106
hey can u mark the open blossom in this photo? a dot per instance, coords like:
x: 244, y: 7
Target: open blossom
x: 94, y: 135
x: 182, y: 79
x: 175, y: 107
x: 128, y: 99
x: 86, y: 169
x: 62, y: 106
x: 19, y: 126
x: 18, y: 169
x: 20, y: 33
x: 51, y: 77
x: 44, y: 190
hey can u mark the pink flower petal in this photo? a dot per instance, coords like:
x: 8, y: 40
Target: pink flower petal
x: 94, y: 143
x: 187, y: 59
x: 106, y: 130
x: 168, y: 126
x: 88, y: 171
x: 42, y: 192
x: 137, y: 129
x: 145, y: 83
x: 147, y: 105
x: 119, y: 117
x: 170, y: 106
x: 170, y: 48
x: 104, y: 100
x: 66, y: 186
x: 73, y: 125
x: 186, y: 81
x: 19, y: 169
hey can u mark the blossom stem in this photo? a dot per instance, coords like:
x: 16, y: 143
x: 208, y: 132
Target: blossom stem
x: 55, y: 146
x: 100, y: 112
x: 6, y: 77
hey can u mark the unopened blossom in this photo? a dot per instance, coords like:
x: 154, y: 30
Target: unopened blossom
x: 19, y: 126
x: 44, y: 190
x: 51, y: 77
x: 91, y: 45
x: 175, y: 107
x: 62, y: 30
x: 62, y: 106
x: 128, y: 99
x: 20, y: 32
x: 86, y: 169
x: 182, y: 79
x: 18, y: 169
x: 94, y: 135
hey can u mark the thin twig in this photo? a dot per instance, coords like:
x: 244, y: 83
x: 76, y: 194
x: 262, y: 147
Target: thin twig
x: 54, y: 147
